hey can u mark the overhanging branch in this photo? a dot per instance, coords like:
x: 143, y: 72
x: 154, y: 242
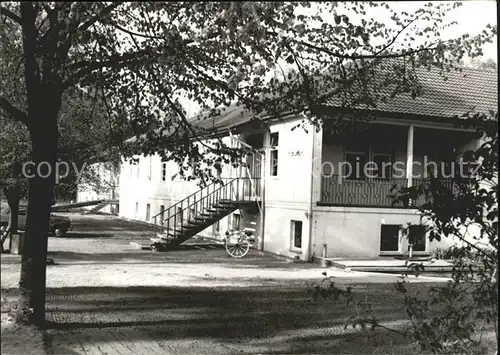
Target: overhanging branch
x: 104, y: 12
x: 14, y: 112
x: 83, y: 68
x: 10, y: 14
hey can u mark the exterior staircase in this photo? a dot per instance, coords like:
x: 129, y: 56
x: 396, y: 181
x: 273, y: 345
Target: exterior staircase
x: 200, y: 210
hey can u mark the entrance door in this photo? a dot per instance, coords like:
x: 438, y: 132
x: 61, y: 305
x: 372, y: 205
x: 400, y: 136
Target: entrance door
x: 252, y: 184
x: 254, y: 164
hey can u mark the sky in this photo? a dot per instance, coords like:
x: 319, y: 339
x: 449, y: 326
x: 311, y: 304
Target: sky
x: 472, y: 18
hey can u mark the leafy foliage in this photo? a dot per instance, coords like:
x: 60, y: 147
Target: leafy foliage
x: 468, y: 304
x: 453, y: 318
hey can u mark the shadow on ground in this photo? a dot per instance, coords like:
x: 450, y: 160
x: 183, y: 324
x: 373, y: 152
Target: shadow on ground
x: 78, y: 235
x: 184, y: 254
x: 280, y: 320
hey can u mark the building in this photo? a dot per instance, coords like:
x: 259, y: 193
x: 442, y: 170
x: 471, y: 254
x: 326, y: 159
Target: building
x: 296, y: 192
x: 99, y: 181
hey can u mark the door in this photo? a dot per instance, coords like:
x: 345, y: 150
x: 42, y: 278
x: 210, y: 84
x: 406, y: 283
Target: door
x: 254, y: 166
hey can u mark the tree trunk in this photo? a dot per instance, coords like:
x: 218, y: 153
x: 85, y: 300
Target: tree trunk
x: 43, y: 70
x: 32, y: 281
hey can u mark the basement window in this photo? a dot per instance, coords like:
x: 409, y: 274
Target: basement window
x: 389, y: 237
x: 416, y: 236
x: 296, y: 234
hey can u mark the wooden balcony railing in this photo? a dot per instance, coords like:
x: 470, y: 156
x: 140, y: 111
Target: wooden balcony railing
x: 373, y: 192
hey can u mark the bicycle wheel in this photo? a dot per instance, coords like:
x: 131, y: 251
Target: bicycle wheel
x: 237, y: 248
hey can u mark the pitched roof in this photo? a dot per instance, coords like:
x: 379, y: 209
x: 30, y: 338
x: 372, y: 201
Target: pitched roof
x: 230, y: 117
x: 469, y: 90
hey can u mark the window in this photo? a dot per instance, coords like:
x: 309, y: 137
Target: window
x: 389, y: 237
x: 236, y: 221
x: 274, y: 153
x: 416, y: 236
x: 382, y: 167
x: 148, y: 211
x: 354, y: 169
x: 296, y: 234
x: 163, y: 171
x: 136, y: 209
x: 150, y: 167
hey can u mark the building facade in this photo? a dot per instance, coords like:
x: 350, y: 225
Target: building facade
x: 315, y: 195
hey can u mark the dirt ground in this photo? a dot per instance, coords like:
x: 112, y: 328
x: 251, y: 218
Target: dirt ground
x: 105, y: 297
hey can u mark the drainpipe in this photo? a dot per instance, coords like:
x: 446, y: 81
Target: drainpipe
x: 311, y: 193
x: 262, y: 201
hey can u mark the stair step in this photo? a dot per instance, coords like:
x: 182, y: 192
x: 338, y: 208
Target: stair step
x: 203, y: 218
x: 206, y: 214
x: 224, y: 207
x: 226, y: 201
x: 214, y: 210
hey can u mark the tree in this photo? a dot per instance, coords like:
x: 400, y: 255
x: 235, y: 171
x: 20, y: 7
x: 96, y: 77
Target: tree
x: 85, y: 138
x: 467, y: 305
x: 142, y: 57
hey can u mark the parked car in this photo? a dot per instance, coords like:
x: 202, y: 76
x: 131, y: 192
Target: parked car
x: 59, y: 225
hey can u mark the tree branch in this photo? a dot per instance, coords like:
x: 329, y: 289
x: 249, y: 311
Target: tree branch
x: 391, y: 42
x: 357, y: 56
x: 14, y: 17
x: 104, y: 12
x: 14, y: 112
x: 115, y: 61
x: 131, y: 33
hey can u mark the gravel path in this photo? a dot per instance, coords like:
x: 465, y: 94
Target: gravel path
x: 104, y: 297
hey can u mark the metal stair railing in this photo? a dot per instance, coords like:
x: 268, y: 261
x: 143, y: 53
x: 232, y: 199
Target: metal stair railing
x: 157, y: 217
x: 200, y: 202
x: 210, y: 198
x: 158, y: 221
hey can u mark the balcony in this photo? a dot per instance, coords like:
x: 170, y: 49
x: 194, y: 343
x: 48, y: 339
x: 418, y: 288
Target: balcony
x: 373, y: 192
